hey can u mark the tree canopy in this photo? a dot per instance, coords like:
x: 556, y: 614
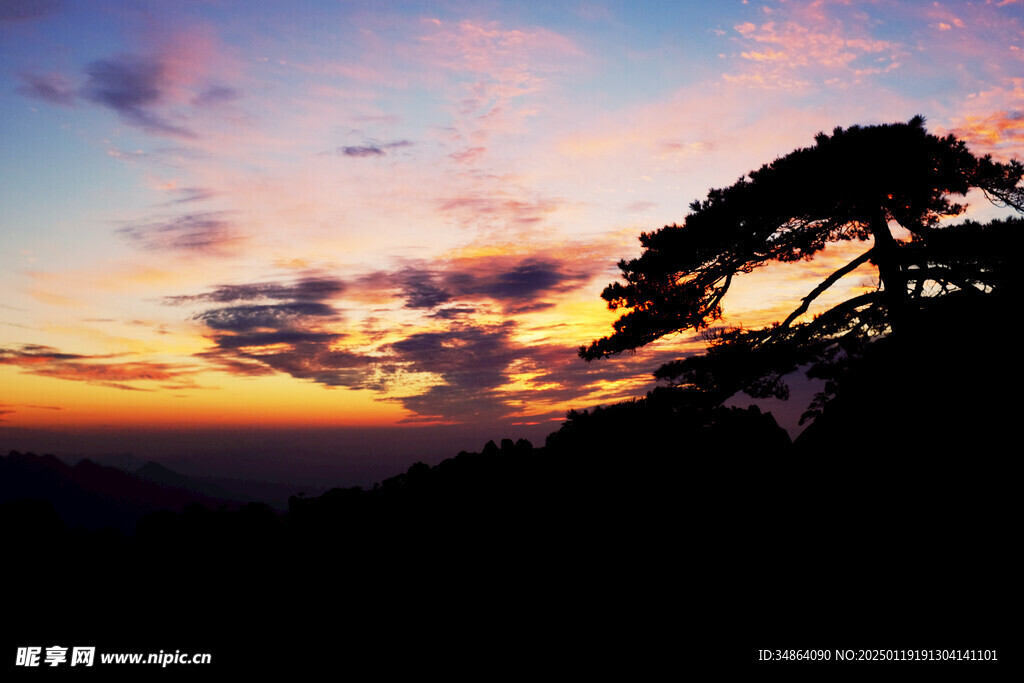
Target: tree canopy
x: 856, y: 184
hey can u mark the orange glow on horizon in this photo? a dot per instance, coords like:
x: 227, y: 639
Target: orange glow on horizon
x: 267, y: 401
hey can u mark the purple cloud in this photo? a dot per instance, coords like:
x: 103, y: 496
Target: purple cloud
x: 24, y: 10
x: 372, y: 150
x: 132, y: 86
x: 53, y: 88
x: 202, y: 232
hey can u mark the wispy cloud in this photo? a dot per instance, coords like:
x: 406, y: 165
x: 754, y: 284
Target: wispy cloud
x: 499, y: 209
x: 46, y: 361
x: 993, y: 120
x: 473, y: 362
x: 162, y: 90
x: 304, y: 355
x: 54, y: 88
x: 485, y: 373
x: 803, y: 45
x: 510, y: 280
x: 372, y: 150
x: 498, y: 67
x: 216, y: 95
x: 310, y: 288
x: 208, y: 233
x: 186, y: 195
x: 11, y: 408
x: 133, y: 86
x: 24, y: 10
x: 294, y: 334
x: 277, y: 316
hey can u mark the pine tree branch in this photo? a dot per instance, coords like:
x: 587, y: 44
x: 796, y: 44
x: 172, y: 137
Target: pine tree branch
x: 824, y: 285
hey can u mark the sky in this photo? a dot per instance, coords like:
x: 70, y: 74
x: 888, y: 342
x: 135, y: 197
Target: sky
x: 366, y: 223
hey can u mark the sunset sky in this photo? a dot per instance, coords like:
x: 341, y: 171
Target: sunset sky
x: 400, y: 215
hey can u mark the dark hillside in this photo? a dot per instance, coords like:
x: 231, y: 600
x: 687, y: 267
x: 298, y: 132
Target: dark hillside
x: 636, y: 528
x: 93, y: 496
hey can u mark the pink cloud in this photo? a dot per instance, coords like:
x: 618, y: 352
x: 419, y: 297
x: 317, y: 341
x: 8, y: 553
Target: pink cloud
x: 487, y: 48
x: 768, y: 55
x: 496, y: 69
x: 973, y: 31
x: 943, y: 18
x: 816, y: 45
x: 993, y: 121
x: 500, y: 208
x: 803, y: 45
x: 189, y: 57
x: 470, y: 155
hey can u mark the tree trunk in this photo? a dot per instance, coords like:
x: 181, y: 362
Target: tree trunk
x: 890, y: 271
